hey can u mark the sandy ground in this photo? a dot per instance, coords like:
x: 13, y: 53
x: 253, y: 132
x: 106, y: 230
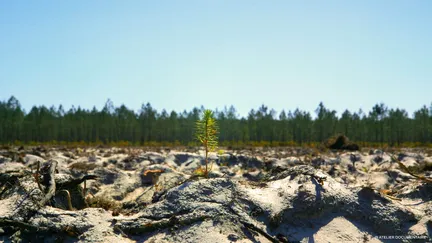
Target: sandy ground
x: 258, y: 195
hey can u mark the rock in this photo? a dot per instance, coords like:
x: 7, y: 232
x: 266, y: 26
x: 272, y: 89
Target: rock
x: 423, y: 191
x: 377, y: 152
x: 233, y: 237
x: 410, y: 163
x: 153, y: 157
x: 318, y: 161
x: 254, y: 175
x: 255, y: 163
x: 355, y: 158
x: 333, y: 160
x: 192, y: 164
x: 223, y: 159
x: 107, y: 176
x: 11, y: 166
x: 4, y: 160
x: 30, y: 159
x: 181, y: 157
x: 378, y: 159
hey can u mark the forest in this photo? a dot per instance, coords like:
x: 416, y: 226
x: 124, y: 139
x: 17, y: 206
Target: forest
x: 382, y: 126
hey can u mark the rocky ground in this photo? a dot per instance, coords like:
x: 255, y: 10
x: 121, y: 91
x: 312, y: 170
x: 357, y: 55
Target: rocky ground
x: 251, y: 195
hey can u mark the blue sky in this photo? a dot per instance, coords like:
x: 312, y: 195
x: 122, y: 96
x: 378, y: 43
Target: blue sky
x: 183, y: 54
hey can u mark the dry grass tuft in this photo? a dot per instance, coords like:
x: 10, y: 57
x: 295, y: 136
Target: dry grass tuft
x: 200, y: 171
x: 103, y: 202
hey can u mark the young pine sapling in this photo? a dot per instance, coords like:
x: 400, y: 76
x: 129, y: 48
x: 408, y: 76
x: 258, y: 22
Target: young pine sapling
x: 206, y: 134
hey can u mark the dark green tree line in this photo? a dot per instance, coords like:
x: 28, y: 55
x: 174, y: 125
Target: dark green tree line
x: 112, y: 124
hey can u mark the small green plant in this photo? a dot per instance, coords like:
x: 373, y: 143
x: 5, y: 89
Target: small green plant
x: 206, y: 134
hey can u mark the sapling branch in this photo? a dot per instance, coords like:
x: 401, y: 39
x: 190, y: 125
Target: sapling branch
x: 69, y: 199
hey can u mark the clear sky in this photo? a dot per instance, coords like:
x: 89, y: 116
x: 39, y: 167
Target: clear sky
x: 183, y: 54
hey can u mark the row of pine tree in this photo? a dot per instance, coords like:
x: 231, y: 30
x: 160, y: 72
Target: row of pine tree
x: 114, y: 124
